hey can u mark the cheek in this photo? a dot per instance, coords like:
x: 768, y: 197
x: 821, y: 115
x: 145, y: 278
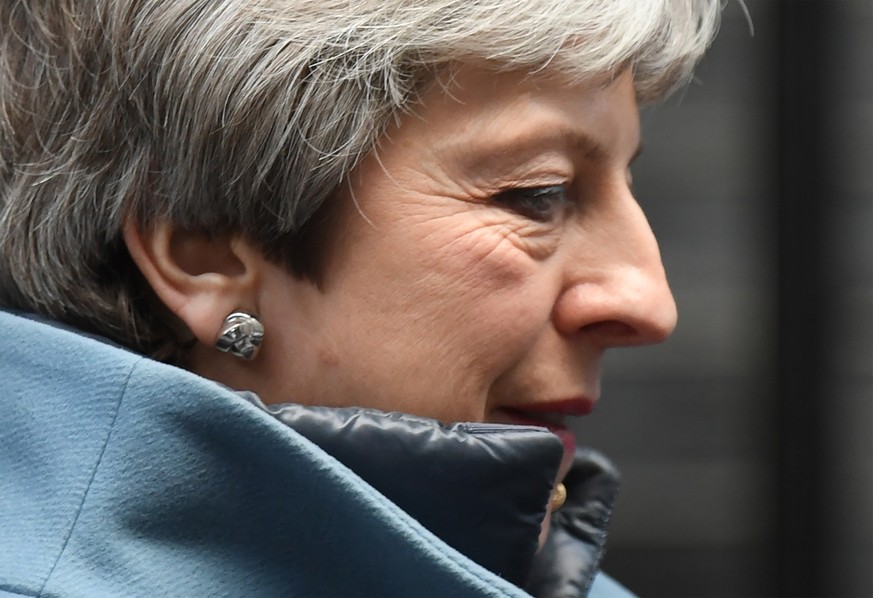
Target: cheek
x: 496, y: 290
x: 430, y: 314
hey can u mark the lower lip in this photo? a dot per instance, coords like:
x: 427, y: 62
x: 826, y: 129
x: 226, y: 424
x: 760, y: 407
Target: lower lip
x: 569, y: 441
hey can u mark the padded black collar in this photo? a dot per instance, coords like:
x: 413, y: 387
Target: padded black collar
x: 481, y: 488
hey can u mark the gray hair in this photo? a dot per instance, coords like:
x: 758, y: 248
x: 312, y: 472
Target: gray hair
x: 246, y: 115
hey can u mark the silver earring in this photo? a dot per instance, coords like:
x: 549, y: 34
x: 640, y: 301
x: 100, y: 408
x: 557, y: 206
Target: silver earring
x: 240, y: 335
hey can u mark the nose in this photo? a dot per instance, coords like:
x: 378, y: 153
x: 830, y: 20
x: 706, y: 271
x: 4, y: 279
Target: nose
x: 615, y: 289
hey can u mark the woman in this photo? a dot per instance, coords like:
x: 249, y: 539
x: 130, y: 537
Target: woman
x: 403, y: 232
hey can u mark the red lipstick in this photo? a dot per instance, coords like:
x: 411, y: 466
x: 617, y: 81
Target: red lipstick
x: 550, y: 415
x: 578, y: 406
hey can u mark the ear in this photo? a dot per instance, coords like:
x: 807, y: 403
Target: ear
x: 199, y: 278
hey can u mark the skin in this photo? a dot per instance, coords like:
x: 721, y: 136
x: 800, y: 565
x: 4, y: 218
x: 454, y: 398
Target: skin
x: 482, y: 261
x: 442, y: 297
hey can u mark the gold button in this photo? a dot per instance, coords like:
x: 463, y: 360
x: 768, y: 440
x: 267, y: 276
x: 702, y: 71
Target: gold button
x: 559, y: 497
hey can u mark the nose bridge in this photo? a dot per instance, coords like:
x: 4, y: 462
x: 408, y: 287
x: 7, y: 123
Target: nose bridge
x: 616, y: 280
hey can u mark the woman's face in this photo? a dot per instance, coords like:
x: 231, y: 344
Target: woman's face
x: 481, y: 262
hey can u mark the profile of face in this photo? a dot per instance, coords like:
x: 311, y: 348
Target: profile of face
x: 482, y: 260
x: 478, y: 265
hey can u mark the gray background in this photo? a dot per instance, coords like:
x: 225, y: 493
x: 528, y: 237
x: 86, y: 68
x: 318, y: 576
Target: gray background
x: 698, y: 425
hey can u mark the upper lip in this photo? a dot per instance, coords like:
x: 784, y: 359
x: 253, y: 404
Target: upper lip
x: 570, y: 406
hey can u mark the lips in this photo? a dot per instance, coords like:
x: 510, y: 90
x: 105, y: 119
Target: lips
x: 550, y: 415
x: 578, y: 406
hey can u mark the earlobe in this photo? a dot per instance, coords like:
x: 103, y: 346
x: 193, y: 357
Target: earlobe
x: 199, y: 278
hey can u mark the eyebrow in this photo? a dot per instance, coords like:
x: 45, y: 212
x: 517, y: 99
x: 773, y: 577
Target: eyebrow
x: 525, y: 146
x: 587, y: 146
x: 595, y: 150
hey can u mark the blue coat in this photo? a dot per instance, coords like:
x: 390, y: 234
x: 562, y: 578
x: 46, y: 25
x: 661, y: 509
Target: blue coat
x: 122, y: 476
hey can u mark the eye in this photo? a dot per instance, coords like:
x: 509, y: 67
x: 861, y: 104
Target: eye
x: 541, y: 204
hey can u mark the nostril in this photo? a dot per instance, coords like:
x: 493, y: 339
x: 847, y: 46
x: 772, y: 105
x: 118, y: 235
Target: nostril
x: 628, y: 331
x: 623, y: 305
x: 613, y: 329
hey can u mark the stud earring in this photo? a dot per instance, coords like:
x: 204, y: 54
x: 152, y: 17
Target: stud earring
x: 240, y: 335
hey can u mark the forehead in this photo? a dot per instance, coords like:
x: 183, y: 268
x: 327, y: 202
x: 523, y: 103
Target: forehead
x: 473, y: 107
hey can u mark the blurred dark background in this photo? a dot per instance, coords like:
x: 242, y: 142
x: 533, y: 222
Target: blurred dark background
x: 745, y: 440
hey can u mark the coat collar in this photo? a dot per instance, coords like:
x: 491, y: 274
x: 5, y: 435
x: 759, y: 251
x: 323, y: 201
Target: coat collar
x: 481, y: 488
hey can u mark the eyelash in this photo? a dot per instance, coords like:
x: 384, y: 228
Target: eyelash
x: 540, y: 204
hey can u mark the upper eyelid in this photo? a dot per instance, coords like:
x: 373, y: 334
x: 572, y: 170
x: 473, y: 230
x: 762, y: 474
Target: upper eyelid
x: 533, y: 182
x: 565, y: 175
x: 502, y: 170
x: 541, y: 187
x: 541, y: 175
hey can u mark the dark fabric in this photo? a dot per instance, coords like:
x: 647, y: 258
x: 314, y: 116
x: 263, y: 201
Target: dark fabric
x: 482, y: 488
x: 570, y: 558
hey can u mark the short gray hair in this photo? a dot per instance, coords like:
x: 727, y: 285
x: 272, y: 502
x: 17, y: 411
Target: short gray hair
x: 246, y: 115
